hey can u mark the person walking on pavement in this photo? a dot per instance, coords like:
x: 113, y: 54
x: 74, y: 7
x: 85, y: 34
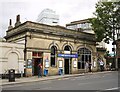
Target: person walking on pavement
x: 101, y: 65
x: 86, y: 66
x: 89, y: 66
x: 39, y: 70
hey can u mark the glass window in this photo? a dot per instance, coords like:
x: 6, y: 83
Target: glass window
x: 67, y: 48
x: 53, y: 55
x: 79, y: 65
x: 34, y: 54
x: 83, y: 55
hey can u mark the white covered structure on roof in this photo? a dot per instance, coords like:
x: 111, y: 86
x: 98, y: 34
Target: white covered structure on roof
x: 48, y: 16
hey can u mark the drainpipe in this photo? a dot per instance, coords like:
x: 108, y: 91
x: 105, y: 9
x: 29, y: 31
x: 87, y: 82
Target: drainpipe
x: 25, y: 59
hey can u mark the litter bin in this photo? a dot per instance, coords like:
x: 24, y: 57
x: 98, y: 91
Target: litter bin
x: 60, y: 71
x: 11, y: 75
x: 45, y: 72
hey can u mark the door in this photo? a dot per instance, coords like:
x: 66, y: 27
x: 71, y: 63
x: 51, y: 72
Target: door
x: 35, y: 65
x: 66, y: 66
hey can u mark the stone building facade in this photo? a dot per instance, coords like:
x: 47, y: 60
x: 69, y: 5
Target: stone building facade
x: 55, y: 47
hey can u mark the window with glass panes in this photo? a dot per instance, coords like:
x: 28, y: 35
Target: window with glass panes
x: 53, y: 55
x: 84, y: 55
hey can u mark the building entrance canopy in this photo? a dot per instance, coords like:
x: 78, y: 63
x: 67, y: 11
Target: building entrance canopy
x: 68, y: 55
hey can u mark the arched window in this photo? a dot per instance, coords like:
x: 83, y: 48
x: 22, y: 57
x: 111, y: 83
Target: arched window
x: 53, y: 55
x: 84, y: 55
x: 67, y: 48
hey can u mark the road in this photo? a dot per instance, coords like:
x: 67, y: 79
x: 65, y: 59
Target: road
x: 107, y: 81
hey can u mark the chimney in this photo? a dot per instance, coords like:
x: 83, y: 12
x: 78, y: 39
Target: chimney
x: 10, y: 24
x: 17, y: 20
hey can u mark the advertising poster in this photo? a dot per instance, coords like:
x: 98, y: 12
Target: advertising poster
x: 75, y: 64
x: 29, y: 63
x: 46, y: 63
x: 60, y: 64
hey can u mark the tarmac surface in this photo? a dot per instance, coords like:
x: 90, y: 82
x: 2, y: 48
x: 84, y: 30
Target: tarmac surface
x: 21, y: 80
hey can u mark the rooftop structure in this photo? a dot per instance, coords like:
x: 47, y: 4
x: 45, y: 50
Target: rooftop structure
x: 48, y: 16
x: 81, y: 25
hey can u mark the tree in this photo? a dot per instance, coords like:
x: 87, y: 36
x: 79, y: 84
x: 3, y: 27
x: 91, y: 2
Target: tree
x: 106, y: 21
x: 107, y: 54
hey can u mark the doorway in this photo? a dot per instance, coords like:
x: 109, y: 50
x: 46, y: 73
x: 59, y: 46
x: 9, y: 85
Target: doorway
x: 36, y: 61
x: 66, y: 66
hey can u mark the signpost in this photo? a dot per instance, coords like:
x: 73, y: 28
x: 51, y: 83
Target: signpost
x: 68, y: 55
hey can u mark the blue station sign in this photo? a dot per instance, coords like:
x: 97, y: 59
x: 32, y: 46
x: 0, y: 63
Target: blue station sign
x: 68, y: 55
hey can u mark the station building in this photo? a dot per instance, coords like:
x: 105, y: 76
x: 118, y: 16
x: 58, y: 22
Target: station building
x: 56, y: 47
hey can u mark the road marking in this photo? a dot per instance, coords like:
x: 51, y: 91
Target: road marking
x: 109, y: 89
x: 112, y: 88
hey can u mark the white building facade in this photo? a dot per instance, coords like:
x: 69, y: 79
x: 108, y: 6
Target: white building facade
x: 11, y: 57
x: 48, y: 16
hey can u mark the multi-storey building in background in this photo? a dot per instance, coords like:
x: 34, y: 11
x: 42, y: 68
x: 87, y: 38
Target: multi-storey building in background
x: 48, y: 16
x: 81, y: 25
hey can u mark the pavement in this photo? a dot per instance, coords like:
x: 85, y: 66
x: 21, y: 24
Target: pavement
x: 44, y: 78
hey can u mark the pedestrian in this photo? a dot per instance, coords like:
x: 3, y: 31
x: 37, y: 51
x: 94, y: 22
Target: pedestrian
x: 101, y: 65
x: 86, y: 66
x: 110, y: 64
x: 39, y: 70
x: 107, y: 67
x: 89, y: 66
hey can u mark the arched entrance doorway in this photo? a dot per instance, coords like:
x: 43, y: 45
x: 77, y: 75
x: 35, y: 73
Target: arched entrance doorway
x: 84, y: 55
x: 13, y: 61
x: 67, y: 61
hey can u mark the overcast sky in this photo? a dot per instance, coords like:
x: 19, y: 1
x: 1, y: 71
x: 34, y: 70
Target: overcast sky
x: 68, y: 10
